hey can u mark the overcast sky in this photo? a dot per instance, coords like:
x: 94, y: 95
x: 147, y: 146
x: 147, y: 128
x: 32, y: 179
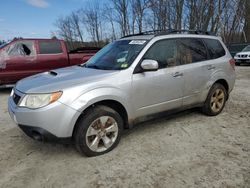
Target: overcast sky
x: 33, y: 18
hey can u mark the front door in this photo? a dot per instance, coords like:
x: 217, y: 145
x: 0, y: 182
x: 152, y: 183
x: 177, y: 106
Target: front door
x: 20, y: 60
x: 160, y: 90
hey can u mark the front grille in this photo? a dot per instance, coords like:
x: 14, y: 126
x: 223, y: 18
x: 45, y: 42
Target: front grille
x: 243, y: 56
x: 16, y: 98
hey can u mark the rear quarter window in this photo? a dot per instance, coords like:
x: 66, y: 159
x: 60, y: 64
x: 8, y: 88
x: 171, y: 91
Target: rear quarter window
x: 50, y: 47
x: 214, y: 48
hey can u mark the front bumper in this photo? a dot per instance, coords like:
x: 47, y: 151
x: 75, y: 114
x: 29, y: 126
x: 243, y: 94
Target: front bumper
x: 53, y: 121
x: 40, y: 134
x: 240, y: 60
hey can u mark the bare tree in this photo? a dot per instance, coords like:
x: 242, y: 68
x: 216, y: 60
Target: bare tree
x: 247, y: 21
x: 92, y: 21
x: 110, y: 17
x: 138, y: 9
x: 228, y: 18
x: 65, y: 29
x: 179, y: 10
x: 122, y: 7
x: 76, y: 24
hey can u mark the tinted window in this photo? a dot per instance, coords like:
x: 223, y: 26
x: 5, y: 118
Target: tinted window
x: 164, y: 52
x: 50, y: 47
x: 191, y: 50
x: 214, y: 48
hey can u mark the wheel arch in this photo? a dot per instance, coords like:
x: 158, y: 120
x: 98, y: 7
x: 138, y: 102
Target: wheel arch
x: 114, y: 104
x: 224, y: 83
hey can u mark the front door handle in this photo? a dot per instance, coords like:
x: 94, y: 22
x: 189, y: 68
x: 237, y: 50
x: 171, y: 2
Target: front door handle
x: 177, y: 74
x: 210, y: 67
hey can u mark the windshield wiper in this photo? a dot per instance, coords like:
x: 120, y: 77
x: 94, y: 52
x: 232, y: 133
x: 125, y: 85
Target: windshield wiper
x: 93, y: 67
x: 82, y: 65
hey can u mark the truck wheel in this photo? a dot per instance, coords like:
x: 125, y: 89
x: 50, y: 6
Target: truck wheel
x: 215, y: 101
x: 98, y: 131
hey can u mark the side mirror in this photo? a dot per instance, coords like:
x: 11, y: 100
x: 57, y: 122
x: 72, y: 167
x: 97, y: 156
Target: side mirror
x: 149, y: 65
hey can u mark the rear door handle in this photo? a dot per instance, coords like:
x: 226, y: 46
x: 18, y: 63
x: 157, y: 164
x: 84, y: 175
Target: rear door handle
x: 177, y: 74
x: 210, y: 67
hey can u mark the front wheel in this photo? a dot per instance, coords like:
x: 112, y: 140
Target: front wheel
x: 98, y: 131
x: 215, y: 101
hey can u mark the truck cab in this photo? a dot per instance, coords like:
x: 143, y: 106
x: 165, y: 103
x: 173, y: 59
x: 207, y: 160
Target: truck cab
x: 25, y: 57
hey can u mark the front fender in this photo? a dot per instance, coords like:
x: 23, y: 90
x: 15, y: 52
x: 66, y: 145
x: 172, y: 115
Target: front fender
x: 100, y: 94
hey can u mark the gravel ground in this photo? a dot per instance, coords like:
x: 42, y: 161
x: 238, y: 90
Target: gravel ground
x: 184, y: 150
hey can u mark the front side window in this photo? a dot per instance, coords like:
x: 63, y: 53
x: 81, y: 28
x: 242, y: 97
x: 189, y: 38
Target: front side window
x: 191, y: 50
x: 164, y: 52
x: 21, y: 48
x: 117, y: 55
x: 50, y: 47
x: 214, y: 48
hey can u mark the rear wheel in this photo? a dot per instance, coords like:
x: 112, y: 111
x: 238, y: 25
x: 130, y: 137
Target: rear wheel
x: 215, y: 101
x: 98, y: 131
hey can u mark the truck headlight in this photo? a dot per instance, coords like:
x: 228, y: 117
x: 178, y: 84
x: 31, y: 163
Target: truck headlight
x: 34, y: 101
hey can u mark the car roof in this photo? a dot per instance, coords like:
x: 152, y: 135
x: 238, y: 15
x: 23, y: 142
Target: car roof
x: 138, y: 37
x: 170, y: 34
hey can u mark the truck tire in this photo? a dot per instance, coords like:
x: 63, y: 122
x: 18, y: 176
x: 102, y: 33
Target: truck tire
x: 215, y: 101
x: 98, y: 131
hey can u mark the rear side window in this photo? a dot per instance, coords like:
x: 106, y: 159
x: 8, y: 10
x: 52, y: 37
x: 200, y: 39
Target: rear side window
x: 50, y: 47
x: 191, y: 50
x: 214, y: 48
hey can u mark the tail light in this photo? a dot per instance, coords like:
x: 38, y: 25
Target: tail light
x: 232, y: 63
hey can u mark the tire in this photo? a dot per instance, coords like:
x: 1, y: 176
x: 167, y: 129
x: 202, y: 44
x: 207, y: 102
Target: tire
x: 215, y: 101
x: 237, y: 63
x: 98, y: 131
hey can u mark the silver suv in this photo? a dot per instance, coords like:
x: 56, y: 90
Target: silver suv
x: 128, y: 80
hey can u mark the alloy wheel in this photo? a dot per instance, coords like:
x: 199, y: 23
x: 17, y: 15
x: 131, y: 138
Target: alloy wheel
x: 102, y: 134
x: 217, y: 100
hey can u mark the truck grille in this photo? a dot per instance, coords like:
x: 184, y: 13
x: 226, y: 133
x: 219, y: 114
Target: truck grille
x: 16, y: 98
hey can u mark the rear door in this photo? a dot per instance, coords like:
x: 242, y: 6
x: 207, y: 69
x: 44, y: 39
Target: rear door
x: 196, y: 68
x: 159, y: 90
x: 51, y: 55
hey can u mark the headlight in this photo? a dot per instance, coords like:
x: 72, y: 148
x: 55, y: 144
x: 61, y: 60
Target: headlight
x: 39, y: 100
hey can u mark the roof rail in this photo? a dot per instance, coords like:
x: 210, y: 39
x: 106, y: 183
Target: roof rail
x: 171, y: 31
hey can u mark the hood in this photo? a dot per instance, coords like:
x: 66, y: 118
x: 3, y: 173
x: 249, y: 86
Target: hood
x: 243, y: 53
x: 60, y: 79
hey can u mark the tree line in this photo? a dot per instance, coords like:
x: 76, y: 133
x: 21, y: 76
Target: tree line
x: 108, y: 20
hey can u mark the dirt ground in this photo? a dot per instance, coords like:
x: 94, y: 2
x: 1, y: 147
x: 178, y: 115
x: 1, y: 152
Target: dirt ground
x: 186, y: 150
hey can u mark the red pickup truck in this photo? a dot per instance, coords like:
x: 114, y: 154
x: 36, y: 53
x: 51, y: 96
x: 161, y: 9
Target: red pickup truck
x: 25, y: 57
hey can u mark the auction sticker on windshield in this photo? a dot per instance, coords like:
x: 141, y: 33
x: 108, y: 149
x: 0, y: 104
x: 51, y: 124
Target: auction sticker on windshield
x: 139, y: 42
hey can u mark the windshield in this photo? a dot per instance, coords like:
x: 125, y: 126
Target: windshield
x: 117, y: 55
x: 246, y: 49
